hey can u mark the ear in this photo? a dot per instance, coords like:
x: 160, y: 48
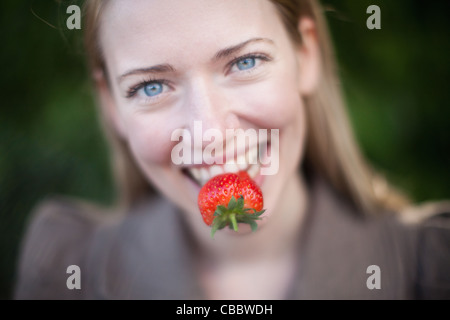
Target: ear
x: 108, y: 107
x: 309, y: 59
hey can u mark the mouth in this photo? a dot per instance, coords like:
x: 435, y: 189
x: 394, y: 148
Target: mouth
x: 249, y: 161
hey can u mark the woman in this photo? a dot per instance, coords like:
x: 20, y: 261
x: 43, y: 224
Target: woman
x: 330, y: 221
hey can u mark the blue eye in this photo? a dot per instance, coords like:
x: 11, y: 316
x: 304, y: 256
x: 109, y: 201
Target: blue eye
x: 153, y: 89
x: 246, y: 63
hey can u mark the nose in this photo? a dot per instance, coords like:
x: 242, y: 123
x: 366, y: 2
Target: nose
x: 207, y: 108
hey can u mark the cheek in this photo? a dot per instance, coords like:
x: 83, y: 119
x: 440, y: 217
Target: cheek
x: 275, y: 103
x: 149, y: 139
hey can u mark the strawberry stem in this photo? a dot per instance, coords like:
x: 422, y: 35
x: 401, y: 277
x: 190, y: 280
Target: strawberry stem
x: 233, y: 221
x: 233, y: 214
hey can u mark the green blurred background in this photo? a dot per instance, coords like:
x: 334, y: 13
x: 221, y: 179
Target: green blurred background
x: 395, y: 81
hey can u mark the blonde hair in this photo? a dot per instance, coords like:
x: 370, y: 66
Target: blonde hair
x: 331, y: 148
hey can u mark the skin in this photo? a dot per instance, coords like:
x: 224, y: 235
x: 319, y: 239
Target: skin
x: 188, y: 35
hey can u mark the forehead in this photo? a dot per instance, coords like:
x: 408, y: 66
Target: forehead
x: 135, y: 32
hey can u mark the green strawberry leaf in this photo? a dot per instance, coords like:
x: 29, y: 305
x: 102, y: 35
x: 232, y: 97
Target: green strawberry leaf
x: 215, y: 227
x: 259, y: 213
x: 240, y: 203
x: 220, y: 210
x: 253, y: 225
x: 232, y: 204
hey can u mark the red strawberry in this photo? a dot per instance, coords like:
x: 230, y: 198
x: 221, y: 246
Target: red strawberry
x: 229, y: 199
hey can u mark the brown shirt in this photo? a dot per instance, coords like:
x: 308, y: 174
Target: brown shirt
x: 147, y: 254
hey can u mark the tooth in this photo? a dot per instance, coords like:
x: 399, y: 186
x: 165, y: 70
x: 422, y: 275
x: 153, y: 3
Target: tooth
x: 262, y: 150
x: 242, y: 166
x: 204, y: 175
x: 215, y: 170
x: 253, y: 170
x: 230, y: 167
x: 195, y: 173
x: 241, y: 163
x: 253, y: 155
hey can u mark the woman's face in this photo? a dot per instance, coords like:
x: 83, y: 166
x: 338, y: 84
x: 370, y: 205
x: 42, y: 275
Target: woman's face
x: 222, y: 64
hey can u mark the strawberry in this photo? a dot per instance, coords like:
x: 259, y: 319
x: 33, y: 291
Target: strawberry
x: 229, y: 199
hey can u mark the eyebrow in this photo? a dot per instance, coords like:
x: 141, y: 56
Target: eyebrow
x: 160, y: 68
x: 224, y: 53
x: 221, y: 54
